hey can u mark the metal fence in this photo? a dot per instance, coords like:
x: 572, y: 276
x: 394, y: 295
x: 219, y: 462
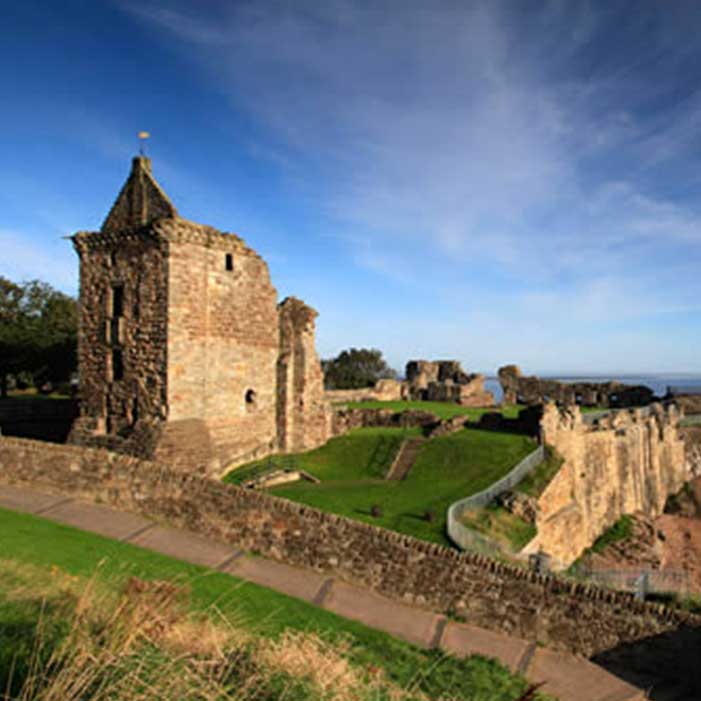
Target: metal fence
x: 468, y: 539
x: 642, y: 581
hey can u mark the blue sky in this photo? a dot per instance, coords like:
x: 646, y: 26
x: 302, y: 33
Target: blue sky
x: 490, y: 181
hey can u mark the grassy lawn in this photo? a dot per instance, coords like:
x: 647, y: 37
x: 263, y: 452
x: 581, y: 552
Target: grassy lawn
x: 444, y: 410
x: 446, y: 469
x: 510, y: 531
x: 620, y: 530
x: 45, y: 549
x: 534, y: 484
x: 362, y: 454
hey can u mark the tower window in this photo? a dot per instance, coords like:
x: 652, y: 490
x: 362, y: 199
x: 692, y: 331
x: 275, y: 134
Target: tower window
x: 117, y: 365
x: 229, y: 262
x: 250, y: 397
x: 117, y: 301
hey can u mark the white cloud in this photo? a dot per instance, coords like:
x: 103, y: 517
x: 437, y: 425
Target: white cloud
x: 26, y: 257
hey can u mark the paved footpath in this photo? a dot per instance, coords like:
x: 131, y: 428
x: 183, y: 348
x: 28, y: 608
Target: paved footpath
x: 567, y: 677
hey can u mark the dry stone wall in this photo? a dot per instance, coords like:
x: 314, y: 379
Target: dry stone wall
x: 625, y: 462
x: 556, y: 612
x: 386, y: 390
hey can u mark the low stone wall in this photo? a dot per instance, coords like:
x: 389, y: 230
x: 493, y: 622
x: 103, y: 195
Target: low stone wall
x: 555, y: 612
x: 348, y: 419
x: 520, y: 389
x: 382, y: 391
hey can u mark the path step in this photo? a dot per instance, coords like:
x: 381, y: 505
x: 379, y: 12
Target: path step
x: 406, y: 457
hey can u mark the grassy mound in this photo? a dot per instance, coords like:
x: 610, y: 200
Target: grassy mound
x: 499, y: 524
x: 446, y: 469
x: 90, y: 619
x: 535, y: 483
x: 362, y: 454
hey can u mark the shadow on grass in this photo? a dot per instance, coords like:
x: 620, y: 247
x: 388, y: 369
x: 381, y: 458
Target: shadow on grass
x: 30, y: 631
x: 668, y: 665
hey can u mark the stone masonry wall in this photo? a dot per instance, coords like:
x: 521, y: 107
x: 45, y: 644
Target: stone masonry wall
x: 556, y: 612
x: 134, y: 263
x: 386, y: 390
x: 222, y: 341
x: 303, y: 414
x: 445, y: 381
x: 179, y: 342
x: 625, y: 462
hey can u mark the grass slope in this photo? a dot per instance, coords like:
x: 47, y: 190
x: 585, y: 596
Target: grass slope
x: 535, y: 483
x: 29, y: 540
x: 362, y: 454
x: 507, y: 529
x: 446, y: 469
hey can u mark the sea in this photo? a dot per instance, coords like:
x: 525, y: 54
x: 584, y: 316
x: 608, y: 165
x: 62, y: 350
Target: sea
x: 657, y: 383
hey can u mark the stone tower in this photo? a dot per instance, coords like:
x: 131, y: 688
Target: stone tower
x: 184, y: 354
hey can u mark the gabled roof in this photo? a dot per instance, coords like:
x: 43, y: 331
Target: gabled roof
x: 140, y: 201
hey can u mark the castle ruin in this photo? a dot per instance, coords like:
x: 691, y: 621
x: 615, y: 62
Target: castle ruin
x: 522, y: 389
x: 185, y: 355
x: 446, y: 381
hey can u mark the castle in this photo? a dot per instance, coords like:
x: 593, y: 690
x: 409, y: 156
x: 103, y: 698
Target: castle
x: 185, y: 355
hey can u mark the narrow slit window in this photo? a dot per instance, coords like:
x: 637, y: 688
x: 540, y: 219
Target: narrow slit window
x: 117, y: 365
x: 229, y: 262
x: 117, y: 301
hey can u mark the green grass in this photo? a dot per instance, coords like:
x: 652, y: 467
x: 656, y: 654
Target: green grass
x: 37, y: 542
x: 507, y: 529
x: 444, y: 410
x: 34, y: 395
x: 361, y: 454
x: 535, y: 483
x: 446, y: 469
x: 620, y: 530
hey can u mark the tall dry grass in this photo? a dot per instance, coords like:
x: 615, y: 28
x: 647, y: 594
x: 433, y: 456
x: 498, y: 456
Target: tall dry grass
x: 146, y: 645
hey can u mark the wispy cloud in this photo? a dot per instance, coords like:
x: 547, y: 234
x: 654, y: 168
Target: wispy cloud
x: 459, y: 140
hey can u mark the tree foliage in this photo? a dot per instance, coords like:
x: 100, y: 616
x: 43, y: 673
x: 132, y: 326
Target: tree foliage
x: 38, y: 332
x: 356, y: 368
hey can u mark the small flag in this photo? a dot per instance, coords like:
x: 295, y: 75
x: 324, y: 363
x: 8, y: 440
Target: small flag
x: 144, y: 135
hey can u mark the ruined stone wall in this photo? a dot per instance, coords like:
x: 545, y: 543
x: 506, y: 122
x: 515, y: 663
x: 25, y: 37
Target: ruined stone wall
x: 386, y: 390
x: 625, y: 462
x: 556, y: 612
x: 303, y: 414
x: 445, y: 381
x: 223, y: 341
x: 132, y: 266
x: 520, y: 389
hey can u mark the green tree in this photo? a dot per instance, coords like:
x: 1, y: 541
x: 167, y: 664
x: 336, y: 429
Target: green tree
x: 38, y: 332
x: 356, y: 368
